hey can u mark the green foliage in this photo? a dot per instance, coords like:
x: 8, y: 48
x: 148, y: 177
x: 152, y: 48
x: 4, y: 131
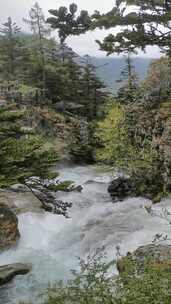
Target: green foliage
x: 35, y: 63
x: 10, y: 49
x: 82, y: 142
x: 22, y: 155
x: 126, y: 142
x: 62, y: 186
x: 90, y: 285
x: 156, y: 88
x: 10, y: 115
x: 93, y: 284
x: 151, y: 286
x: 131, y: 135
x: 37, y: 22
x: 70, y: 87
x: 116, y: 144
x: 26, y: 90
x: 67, y: 22
x: 138, y: 28
x: 129, y: 91
x: 40, y: 30
x: 93, y: 95
x: 51, y: 175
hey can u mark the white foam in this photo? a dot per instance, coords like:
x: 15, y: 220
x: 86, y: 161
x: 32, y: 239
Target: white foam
x: 52, y: 243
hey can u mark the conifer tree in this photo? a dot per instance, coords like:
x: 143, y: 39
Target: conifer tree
x: 68, y: 23
x: 157, y: 84
x: 9, y: 48
x: 147, y: 25
x: 93, y: 91
x: 129, y: 91
x: 21, y: 152
x: 40, y: 30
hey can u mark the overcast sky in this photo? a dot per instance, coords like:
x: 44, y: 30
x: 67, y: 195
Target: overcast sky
x: 84, y: 44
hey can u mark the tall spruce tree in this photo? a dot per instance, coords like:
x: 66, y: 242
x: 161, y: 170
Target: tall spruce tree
x: 9, y: 49
x: 93, y: 89
x: 40, y: 30
x: 129, y: 91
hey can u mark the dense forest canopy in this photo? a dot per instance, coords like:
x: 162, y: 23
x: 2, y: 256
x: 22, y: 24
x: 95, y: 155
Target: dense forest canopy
x: 38, y: 73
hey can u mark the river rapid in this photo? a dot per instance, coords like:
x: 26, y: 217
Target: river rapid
x: 52, y: 243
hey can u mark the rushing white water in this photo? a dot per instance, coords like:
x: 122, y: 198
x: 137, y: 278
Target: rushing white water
x: 52, y: 243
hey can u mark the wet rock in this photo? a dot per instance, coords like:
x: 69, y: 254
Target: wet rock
x: 9, y: 233
x: 159, y: 255
x: 149, y: 186
x: 120, y: 265
x: 91, y: 181
x: 8, y: 272
x: 156, y: 253
x: 5, y: 200
x: 78, y: 188
x: 19, y: 188
x: 22, y: 202
x: 121, y: 188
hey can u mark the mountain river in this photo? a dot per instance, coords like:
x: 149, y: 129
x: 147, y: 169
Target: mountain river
x: 52, y: 243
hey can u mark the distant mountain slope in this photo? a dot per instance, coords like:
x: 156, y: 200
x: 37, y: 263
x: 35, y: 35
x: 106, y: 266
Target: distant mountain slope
x: 109, y: 69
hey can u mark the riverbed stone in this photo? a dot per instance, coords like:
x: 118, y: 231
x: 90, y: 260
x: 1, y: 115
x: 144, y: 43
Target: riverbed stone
x: 9, y: 233
x: 121, y: 188
x: 153, y: 254
x: 8, y: 272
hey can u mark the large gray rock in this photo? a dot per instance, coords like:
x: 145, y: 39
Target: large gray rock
x: 8, y: 272
x: 155, y: 253
x: 9, y: 233
x: 121, y: 188
x: 152, y: 253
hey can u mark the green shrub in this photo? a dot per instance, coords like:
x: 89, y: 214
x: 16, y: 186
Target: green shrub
x: 93, y: 285
x: 62, y: 186
x: 90, y: 285
x: 152, y: 286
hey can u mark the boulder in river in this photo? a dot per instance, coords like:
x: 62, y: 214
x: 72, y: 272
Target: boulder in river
x: 9, y: 233
x: 121, y: 188
x: 8, y: 272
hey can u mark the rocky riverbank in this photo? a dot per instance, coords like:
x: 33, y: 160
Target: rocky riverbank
x: 9, y: 232
x: 51, y: 243
x: 19, y: 201
x: 124, y: 187
x: 157, y: 255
